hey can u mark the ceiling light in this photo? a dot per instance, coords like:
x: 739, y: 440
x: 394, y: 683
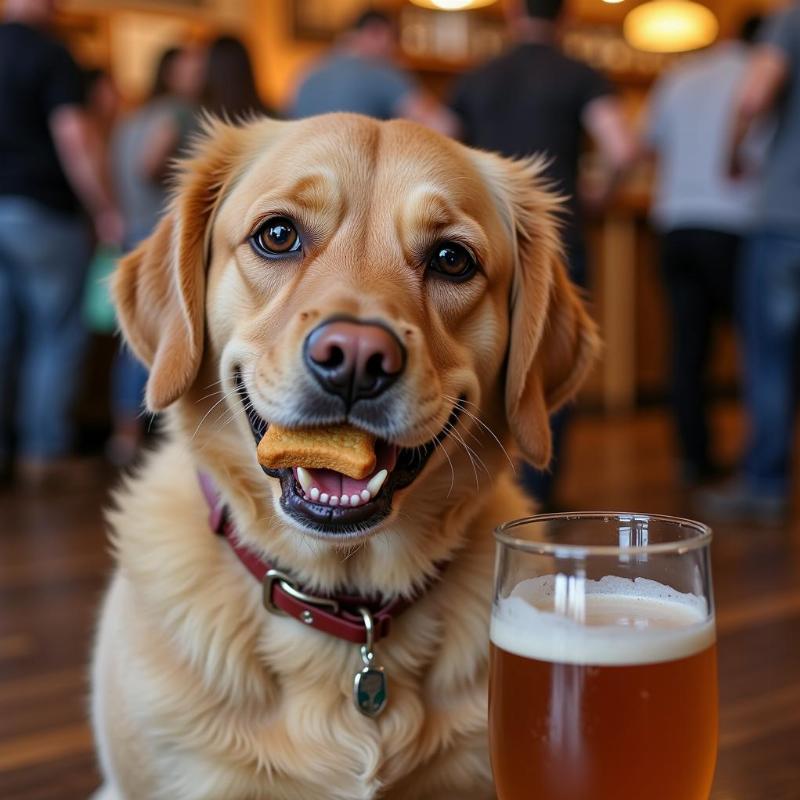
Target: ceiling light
x: 453, y: 5
x: 670, y: 26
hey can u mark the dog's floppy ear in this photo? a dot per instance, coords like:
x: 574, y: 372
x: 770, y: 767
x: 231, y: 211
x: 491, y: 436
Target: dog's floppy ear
x: 553, y: 340
x: 159, y: 288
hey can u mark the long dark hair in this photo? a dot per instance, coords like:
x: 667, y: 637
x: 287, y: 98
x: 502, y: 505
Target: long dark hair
x: 160, y: 85
x: 230, y: 89
x: 544, y: 9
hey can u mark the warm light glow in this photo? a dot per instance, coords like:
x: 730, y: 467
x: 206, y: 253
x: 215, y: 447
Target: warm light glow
x: 670, y: 26
x: 613, y: 2
x: 453, y: 5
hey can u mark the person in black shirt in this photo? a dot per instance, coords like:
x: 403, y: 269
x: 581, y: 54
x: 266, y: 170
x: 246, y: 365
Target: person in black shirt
x: 534, y: 99
x: 48, y: 172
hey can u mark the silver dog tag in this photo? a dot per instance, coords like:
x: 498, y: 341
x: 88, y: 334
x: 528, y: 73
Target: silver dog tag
x: 370, y: 687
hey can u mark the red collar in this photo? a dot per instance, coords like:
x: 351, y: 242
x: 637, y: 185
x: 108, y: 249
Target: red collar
x: 338, y: 615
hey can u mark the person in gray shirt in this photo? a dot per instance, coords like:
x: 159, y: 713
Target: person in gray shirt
x: 146, y: 141
x: 359, y: 76
x: 770, y: 281
x: 701, y: 213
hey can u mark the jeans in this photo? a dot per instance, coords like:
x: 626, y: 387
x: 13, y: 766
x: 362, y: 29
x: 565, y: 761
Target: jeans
x: 128, y: 383
x: 770, y: 316
x: 44, y: 255
x: 699, y: 268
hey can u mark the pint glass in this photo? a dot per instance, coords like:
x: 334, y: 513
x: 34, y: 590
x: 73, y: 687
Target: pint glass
x: 603, y: 681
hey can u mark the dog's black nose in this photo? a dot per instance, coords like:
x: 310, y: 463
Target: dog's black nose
x: 354, y: 360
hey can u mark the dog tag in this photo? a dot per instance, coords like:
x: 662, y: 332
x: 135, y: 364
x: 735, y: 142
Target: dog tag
x: 370, y: 689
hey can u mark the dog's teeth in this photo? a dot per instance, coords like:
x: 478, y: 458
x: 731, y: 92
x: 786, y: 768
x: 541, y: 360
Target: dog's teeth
x: 354, y: 499
x: 323, y: 498
x: 345, y: 501
x: 314, y: 494
x: 305, y: 479
x: 333, y: 501
x: 365, y: 495
x: 374, y: 486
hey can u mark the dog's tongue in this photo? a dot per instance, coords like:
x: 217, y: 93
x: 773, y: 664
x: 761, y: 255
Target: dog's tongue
x: 330, y: 487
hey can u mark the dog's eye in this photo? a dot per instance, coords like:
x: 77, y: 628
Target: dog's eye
x: 276, y: 237
x: 453, y: 261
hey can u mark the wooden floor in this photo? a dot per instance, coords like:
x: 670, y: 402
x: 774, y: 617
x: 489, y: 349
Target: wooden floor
x: 53, y: 566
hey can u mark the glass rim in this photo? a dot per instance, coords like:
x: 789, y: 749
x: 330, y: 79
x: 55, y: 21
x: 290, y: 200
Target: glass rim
x: 679, y: 546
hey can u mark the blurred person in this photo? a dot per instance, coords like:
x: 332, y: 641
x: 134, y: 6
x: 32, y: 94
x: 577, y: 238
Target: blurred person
x: 102, y: 102
x: 769, y: 295
x: 701, y: 214
x: 143, y: 148
x: 230, y: 86
x: 49, y: 170
x: 361, y: 76
x: 534, y: 99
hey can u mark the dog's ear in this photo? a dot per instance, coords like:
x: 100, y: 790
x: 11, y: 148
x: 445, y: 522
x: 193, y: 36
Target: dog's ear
x: 159, y: 288
x: 553, y: 341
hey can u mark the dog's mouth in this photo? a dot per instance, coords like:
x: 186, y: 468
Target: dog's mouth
x: 330, y: 503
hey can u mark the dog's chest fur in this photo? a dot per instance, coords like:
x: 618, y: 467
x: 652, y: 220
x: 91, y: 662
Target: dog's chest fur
x: 229, y: 701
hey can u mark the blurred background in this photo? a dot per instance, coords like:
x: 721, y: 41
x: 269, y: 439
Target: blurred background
x: 285, y: 39
x: 673, y: 125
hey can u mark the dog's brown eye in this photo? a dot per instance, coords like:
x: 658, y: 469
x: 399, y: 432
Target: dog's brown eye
x: 452, y: 261
x: 276, y: 237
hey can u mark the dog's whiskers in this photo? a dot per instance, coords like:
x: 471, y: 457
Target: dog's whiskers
x: 210, y: 410
x: 249, y: 374
x: 233, y: 414
x: 462, y: 402
x: 220, y: 381
x: 446, y: 455
x: 450, y: 432
x: 230, y: 416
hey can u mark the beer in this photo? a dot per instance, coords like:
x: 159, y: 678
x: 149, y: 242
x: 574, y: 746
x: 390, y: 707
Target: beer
x: 618, y: 704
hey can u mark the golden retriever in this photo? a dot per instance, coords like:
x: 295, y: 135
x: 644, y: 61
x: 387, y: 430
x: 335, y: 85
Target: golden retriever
x: 278, y: 229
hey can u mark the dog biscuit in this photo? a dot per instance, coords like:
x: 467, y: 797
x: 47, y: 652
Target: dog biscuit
x: 338, y: 447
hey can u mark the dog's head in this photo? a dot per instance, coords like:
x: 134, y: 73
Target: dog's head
x: 343, y: 270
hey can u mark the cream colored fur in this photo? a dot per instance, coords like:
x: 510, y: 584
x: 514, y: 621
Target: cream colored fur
x: 199, y: 692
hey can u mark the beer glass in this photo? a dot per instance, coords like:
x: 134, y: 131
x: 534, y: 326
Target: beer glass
x: 603, y: 677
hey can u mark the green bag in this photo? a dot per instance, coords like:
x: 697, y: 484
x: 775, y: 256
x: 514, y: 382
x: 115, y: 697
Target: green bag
x: 98, y: 310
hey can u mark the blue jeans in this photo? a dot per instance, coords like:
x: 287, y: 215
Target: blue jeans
x: 128, y: 383
x: 44, y: 255
x: 770, y: 317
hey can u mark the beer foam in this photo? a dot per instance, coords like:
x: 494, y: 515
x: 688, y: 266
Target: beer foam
x: 611, y: 622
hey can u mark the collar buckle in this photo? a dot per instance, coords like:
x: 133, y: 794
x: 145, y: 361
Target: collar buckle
x: 286, y: 584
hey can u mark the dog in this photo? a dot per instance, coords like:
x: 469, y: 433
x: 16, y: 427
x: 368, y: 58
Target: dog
x: 320, y: 272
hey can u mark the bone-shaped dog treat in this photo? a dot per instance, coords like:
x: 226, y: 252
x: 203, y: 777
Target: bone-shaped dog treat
x: 338, y: 447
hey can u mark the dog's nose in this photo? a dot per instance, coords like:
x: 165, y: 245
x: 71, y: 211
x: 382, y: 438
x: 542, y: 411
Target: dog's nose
x: 354, y: 360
